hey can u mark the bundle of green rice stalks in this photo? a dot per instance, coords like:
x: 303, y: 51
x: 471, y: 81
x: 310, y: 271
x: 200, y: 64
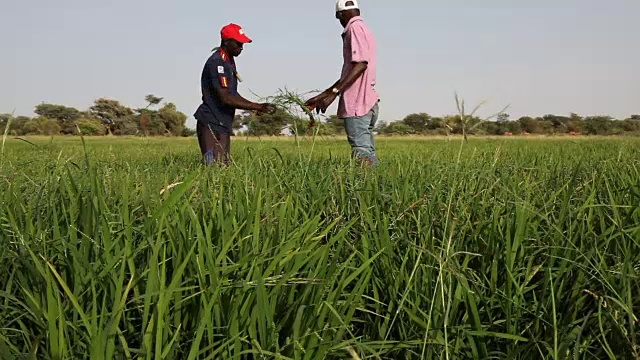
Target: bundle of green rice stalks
x: 294, y: 104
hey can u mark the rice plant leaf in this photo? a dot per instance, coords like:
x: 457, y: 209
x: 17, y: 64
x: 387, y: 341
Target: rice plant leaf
x: 72, y: 298
x: 497, y: 335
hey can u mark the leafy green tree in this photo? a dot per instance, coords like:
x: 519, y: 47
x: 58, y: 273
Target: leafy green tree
x: 4, y: 121
x: 153, y: 100
x: 491, y: 128
x: 529, y: 124
x: 418, y: 122
x: 144, y: 122
x: 58, y: 112
x: 631, y: 125
x: 157, y: 126
x: 436, y: 126
x: 556, y: 123
x: 16, y: 128
x: 270, y: 124
x: 457, y: 125
x: 500, y: 126
x: 380, y: 128
x: 503, y: 117
x: 575, y: 123
x: 65, y: 116
x: 173, y: 120
x: 118, y: 119
x: 149, y: 122
x: 187, y: 132
x: 90, y: 127
x: 513, y: 127
x: 598, y: 125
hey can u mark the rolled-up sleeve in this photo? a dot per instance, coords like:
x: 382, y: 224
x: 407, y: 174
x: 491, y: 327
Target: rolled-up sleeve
x: 359, y: 43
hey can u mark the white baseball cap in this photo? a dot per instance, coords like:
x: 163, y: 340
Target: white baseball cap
x: 341, y: 5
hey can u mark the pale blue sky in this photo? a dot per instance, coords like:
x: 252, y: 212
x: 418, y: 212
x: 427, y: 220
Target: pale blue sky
x: 544, y: 56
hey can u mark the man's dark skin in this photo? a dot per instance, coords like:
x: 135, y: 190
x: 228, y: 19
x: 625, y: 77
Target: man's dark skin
x: 322, y: 101
x: 234, y: 48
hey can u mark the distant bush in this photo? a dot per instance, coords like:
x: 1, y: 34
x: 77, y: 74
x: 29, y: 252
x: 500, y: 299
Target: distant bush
x: 90, y: 127
x: 397, y: 128
x: 41, y: 126
x: 187, y: 132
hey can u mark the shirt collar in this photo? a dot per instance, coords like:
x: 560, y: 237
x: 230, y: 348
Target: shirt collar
x: 353, y: 19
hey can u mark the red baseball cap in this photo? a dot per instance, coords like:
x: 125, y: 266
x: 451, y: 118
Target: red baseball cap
x: 235, y: 32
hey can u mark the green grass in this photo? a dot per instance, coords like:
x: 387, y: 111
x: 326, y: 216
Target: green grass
x: 497, y: 248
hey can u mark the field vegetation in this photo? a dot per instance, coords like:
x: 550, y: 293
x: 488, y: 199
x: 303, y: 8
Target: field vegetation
x: 498, y: 248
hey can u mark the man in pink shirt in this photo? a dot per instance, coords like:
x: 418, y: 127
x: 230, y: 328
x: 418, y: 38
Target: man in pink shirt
x: 358, y: 105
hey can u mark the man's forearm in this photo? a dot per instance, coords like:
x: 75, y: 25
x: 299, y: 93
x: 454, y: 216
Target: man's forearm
x: 238, y: 102
x: 342, y: 84
x: 356, y: 71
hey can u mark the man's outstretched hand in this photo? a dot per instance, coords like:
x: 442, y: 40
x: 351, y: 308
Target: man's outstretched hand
x: 325, y: 102
x: 314, y: 101
x: 267, y: 109
x: 321, y: 102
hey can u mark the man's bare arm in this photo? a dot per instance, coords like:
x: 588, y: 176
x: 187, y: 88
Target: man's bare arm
x: 326, y: 100
x: 238, y: 102
x: 356, y: 71
x: 320, y: 101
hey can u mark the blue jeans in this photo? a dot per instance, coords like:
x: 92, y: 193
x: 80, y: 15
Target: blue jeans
x: 360, y: 135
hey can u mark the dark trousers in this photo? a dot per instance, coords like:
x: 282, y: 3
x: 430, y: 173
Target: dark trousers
x: 214, y: 146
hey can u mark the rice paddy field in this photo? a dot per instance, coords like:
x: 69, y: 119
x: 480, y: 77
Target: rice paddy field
x: 499, y: 248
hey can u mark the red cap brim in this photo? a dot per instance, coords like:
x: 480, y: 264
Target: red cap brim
x: 243, y: 39
x: 239, y: 38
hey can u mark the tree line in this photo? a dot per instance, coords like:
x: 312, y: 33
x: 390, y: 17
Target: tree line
x: 110, y: 117
x: 104, y: 117
x: 574, y: 124
x: 425, y: 124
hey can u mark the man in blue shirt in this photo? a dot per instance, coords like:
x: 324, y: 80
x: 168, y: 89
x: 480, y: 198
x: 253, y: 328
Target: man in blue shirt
x: 220, y: 98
